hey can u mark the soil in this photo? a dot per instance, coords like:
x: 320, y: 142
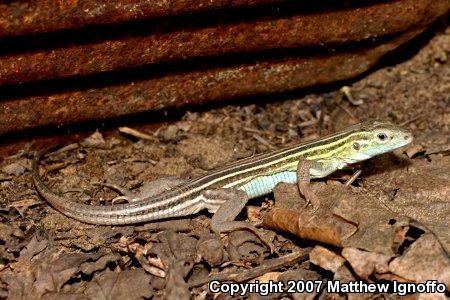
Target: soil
x: 44, y: 253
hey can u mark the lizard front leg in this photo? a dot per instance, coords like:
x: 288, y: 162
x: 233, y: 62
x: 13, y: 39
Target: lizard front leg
x: 226, y: 205
x: 307, y: 169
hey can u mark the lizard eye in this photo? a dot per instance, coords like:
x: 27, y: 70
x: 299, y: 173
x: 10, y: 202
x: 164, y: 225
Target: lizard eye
x: 356, y: 146
x: 382, y: 136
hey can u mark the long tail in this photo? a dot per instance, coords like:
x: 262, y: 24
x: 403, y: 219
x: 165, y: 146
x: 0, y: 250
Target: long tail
x: 129, y: 213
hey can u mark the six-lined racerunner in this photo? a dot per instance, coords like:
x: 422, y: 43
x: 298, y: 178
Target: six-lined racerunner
x: 225, y: 191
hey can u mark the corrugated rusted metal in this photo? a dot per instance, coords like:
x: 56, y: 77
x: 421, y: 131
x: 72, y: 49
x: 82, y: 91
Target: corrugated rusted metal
x: 196, y: 62
x: 175, y: 90
x: 187, y: 42
x: 43, y: 16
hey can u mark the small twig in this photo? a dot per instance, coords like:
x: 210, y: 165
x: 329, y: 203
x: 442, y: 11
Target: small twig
x: 23, y: 152
x: 267, y: 266
x: 346, y: 90
x: 135, y: 160
x: 252, y: 130
x: 57, y: 166
x: 347, y: 112
x: 320, y: 122
x: 69, y: 147
x: 411, y: 120
x: 22, y: 205
x: 263, y: 141
x: 353, y: 178
x: 136, y: 133
x: 307, y: 123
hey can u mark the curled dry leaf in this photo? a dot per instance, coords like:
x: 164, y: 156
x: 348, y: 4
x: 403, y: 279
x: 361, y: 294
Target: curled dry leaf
x: 326, y: 259
x: 366, y: 263
x: 325, y: 228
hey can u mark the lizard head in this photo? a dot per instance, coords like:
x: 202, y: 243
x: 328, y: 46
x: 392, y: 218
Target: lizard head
x: 369, y: 139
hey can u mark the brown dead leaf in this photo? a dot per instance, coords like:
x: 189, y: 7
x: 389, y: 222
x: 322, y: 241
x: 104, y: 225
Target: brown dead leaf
x: 422, y: 193
x: 33, y: 247
x: 287, y: 196
x: 128, y: 284
x: 326, y: 259
x: 22, y: 205
x: 31, y: 279
x: 377, y: 227
x: 424, y: 260
x: 100, y: 264
x: 366, y: 263
x: 64, y: 296
x: 17, y: 282
x: 176, y: 286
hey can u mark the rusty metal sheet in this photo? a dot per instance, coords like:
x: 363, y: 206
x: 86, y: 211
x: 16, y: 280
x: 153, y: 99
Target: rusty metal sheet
x: 43, y: 16
x: 189, y: 41
x: 177, y: 89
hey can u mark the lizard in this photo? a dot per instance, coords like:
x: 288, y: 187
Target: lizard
x: 226, y: 190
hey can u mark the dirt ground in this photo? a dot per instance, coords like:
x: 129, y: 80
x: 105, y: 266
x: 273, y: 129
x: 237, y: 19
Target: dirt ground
x: 392, y: 221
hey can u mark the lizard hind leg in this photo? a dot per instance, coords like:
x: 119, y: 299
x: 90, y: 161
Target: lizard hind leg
x: 232, y: 202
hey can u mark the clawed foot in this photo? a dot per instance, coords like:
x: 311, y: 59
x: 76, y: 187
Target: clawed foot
x: 227, y: 227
